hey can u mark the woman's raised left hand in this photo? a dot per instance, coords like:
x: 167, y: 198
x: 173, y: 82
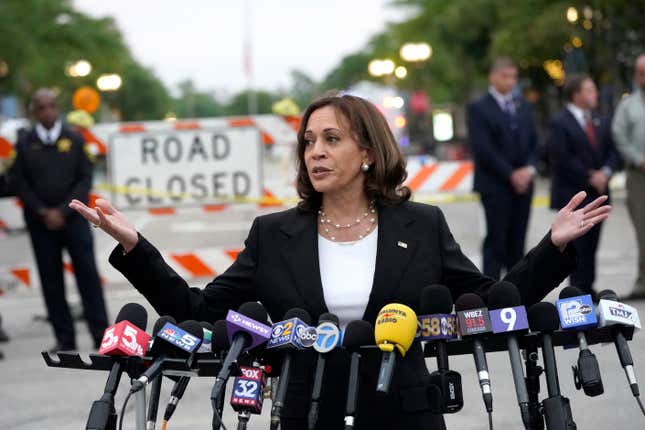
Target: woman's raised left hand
x: 572, y: 222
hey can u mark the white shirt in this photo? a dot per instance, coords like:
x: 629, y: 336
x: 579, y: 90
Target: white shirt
x: 49, y: 136
x: 505, y: 101
x: 581, y: 117
x: 347, y: 274
x: 579, y: 114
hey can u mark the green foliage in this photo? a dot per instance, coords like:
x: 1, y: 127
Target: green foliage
x: 195, y: 104
x: 40, y: 38
x: 467, y: 34
x: 142, y: 95
x: 239, y: 105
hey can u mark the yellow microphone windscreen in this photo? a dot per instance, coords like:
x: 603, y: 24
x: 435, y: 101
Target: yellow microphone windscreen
x: 396, y: 326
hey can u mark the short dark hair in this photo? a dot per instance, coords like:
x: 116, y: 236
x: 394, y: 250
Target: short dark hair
x: 502, y: 63
x: 573, y: 84
x: 384, y: 179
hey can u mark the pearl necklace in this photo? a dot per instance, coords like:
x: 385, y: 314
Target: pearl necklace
x: 325, y: 222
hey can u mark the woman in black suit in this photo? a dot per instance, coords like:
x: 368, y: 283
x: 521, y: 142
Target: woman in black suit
x: 354, y: 243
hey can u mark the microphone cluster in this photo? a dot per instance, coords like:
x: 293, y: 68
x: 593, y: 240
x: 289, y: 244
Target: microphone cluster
x: 247, y: 346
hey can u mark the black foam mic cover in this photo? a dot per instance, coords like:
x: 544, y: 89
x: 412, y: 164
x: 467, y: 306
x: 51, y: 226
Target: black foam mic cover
x: 301, y: 314
x: 220, y: 340
x: 543, y: 317
x: 134, y: 313
x: 255, y: 311
x: 328, y: 317
x: 569, y: 292
x: 193, y: 327
x: 358, y: 333
x: 503, y: 294
x: 469, y: 301
x: 435, y: 299
x: 608, y: 295
x: 162, y: 322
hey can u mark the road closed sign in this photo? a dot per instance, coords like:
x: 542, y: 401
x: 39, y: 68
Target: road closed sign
x: 184, y: 167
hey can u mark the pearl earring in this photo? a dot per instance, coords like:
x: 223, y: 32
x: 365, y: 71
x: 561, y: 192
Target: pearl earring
x: 365, y: 167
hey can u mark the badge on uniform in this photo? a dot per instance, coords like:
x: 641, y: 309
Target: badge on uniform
x: 64, y: 145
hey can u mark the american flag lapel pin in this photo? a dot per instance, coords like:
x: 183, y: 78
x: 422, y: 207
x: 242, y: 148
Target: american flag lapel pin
x: 402, y: 244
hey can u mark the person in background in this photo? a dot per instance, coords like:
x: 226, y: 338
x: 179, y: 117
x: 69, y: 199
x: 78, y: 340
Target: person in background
x: 629, y: 134
x: 4, y: 337
x: 50, y: 169
x: 504, y: 144
x: 583, y: 157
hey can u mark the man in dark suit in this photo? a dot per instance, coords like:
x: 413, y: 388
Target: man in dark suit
x: 504, y: 145
x: 51, y: 168
x: 583, y: 157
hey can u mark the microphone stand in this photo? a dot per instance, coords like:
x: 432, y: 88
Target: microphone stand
x: 533, y: 372
x: 242, y: 419
x: 103, y: 414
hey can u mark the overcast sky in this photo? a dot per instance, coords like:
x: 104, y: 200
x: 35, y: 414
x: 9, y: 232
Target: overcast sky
x: 204, y: 39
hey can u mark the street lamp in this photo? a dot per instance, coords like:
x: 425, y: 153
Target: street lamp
x: 79, y: 69
x: 572, y: 15
x: 109, y: 82
x: 415, y: 52
x: 400, y: 72
x: 379, y: 68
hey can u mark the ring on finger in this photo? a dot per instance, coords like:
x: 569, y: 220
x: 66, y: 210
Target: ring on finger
x: 582, y: 224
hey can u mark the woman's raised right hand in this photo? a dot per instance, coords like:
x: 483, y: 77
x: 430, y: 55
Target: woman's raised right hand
x: 110, y: 220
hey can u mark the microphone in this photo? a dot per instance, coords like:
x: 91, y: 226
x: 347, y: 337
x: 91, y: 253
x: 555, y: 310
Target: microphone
x: 543, y: 318
x: 576, y: 313
x: 155, y: 390
x: 181, y: 384
x: 473, y: 319
x: 178, y: 341
x: 206, y: 345
x: 288, y: 335
x: 134, y: 317
x: 618, y: 315
x: 396, y: 327
x: 328, y: 337
x: 357, y: 334
x: 219, y: 346
x: 248, y: 393
x: 246, y: 329
x: 437, y: 324
x: 509, y: 316
x: 125, y: 337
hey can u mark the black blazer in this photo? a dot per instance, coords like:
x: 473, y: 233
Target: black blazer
x: 497, y: 150
x: 279, y: 267
x: 50, y: 176
x: 572, y: 156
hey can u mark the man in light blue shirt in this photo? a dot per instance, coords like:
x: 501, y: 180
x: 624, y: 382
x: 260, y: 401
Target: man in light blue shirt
x: 629, y: 134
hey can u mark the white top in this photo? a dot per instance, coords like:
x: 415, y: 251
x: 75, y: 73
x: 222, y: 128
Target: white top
x: 49, y: 137
x: 579, y: 114
x: 505, y: 101
x: 347, y: 273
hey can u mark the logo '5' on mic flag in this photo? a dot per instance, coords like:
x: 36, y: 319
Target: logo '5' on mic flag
x: 124, y: 338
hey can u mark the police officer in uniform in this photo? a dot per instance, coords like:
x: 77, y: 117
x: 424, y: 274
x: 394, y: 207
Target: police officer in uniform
x: 51, y: 168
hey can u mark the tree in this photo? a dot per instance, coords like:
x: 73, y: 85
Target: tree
x: 40, y: 38
x: 142, y: 95
x: 195, y: 104
x: 239, y: 105
x: 467, y: 34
